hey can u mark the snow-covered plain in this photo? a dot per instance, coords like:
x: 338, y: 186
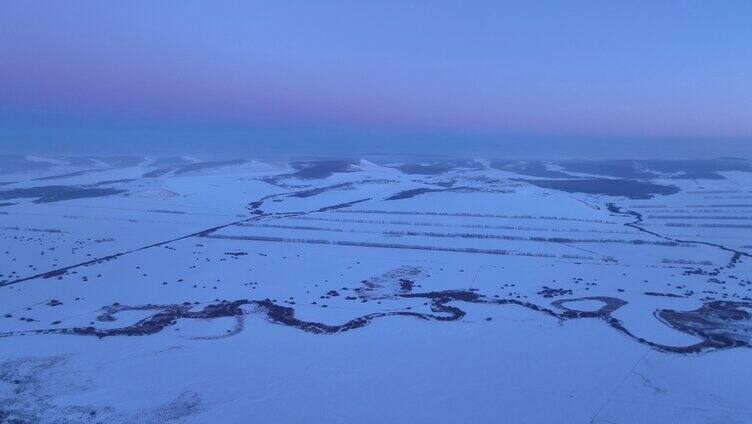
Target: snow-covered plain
x: 374, y: 290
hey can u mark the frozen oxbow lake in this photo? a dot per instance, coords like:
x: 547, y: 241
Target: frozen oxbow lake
x: 375, y: 289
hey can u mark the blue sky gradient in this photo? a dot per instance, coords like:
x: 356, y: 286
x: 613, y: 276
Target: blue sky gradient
x: 317, y: 76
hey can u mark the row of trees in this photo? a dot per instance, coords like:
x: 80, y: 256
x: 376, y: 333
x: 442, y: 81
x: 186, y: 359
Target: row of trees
x: 476, y: 226
x: 465, y: 235
x: 474, y: 215
x: 382, y: 245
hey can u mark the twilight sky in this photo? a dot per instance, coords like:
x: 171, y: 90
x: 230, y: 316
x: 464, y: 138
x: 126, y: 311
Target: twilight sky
x: 366, y: 76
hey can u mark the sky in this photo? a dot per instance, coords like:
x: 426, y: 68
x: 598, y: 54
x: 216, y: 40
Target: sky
x: 635, y: 78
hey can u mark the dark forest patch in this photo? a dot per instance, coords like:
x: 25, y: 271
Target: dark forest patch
x: 611, y: 187
x: 49, y: 194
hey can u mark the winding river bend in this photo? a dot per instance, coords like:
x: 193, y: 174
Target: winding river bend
x: 719, y: 324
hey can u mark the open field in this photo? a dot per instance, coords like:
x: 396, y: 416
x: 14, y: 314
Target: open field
x: 370, y: 290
